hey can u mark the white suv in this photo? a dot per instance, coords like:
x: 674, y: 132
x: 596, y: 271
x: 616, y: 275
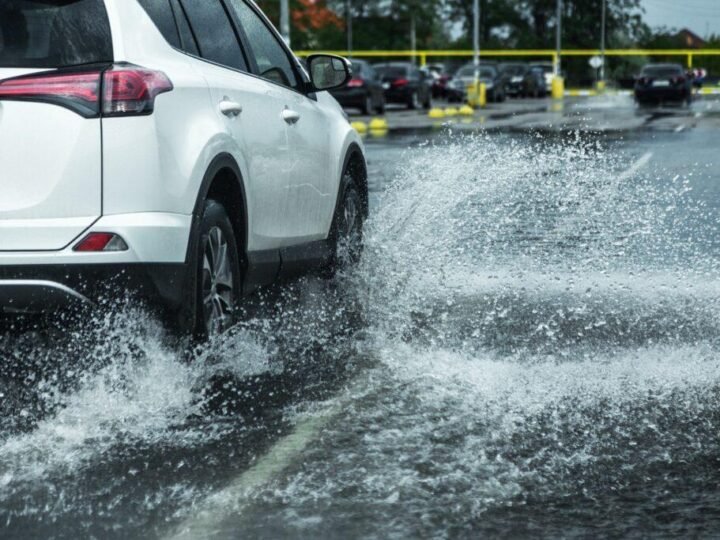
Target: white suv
x: 174, y: 146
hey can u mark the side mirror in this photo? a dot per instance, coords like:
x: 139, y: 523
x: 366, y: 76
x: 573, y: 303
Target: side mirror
x: 328, y: 72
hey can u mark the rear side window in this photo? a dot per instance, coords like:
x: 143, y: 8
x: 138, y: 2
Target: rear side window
x: 54, y: 33
x: 161, y: 14
x: 271, y: 57
x: 187, y: 38
x: 214, y: 33
x: 662, y: 71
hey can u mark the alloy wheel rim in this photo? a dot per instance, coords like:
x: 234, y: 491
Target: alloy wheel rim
x: 349, y: 240
x: 218, y: 290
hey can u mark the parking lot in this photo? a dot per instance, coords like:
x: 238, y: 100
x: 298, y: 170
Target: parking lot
x: 609, y: 112
x: 536, y: 309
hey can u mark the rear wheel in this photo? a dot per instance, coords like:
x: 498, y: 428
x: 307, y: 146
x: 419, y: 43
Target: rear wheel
x: 414, y: 101
x: 381, y: 108
x: 428, y: 102
x: 367, y: 108
x: 217, y: 278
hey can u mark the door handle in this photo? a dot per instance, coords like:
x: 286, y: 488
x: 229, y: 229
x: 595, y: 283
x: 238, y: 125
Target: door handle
x: 230, y: 108
x: 290, y: 116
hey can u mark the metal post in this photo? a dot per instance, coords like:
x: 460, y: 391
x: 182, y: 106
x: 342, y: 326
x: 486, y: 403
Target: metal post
x: 349, y: 19
x: 558, y: 39
x: 285, y: 20
x: 413, y: 38
x: 476, y: 34
x: 602, y: 40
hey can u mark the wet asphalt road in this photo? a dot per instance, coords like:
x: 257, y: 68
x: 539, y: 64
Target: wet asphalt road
x: 528, y: 349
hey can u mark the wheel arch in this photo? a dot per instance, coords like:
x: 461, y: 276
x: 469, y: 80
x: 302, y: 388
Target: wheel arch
x: 223, y: 182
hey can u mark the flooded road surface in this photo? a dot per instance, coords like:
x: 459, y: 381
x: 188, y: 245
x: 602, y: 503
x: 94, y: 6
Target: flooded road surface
x: 528, y: 348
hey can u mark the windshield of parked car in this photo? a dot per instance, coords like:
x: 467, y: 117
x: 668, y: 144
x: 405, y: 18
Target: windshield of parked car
x: 659, y: 72
x: 53, y: 33
x: 514, y: 70
x: 469, y: 71
x: 544, y: 68
x: 392, y: 72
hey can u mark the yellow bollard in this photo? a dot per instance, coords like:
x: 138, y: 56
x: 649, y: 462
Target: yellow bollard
x: 477, y: 95
x: 378, y: 124
x: 451, y: 111
x: 360, y: 127
x: 600, y: 87
x: 466, y: 110
x: 558, y: 87
x: 436, y: 113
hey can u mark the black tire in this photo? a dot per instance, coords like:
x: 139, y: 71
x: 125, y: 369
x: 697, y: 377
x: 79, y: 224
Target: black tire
x: 367, y: 107
x: 413, y: 101
x: 215, y: 285
x: 346, y: 233
x: 381, y: 108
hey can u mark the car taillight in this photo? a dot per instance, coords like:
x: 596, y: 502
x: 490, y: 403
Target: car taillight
x: 400, y: 82
x: 356, y: 83
x: 126, y: 90
x: 78, y: 91
x: 130, y: 90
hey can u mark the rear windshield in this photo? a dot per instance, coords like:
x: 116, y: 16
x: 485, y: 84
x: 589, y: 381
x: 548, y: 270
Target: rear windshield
x: 485, y: 72
x: 514, y: 69
x: 662, y: 71
x: 392, y: 71
x: 53, y: 33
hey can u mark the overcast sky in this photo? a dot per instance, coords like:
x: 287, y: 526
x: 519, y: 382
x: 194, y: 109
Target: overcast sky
x: 700, y: 16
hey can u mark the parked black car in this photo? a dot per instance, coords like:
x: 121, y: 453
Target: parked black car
x: 663, y: 82
x: 488, y: 74
x: 523, y: 81
x: 364, y: 91
x: 404, y: 83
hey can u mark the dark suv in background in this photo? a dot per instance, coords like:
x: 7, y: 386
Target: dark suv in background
x: 405, y: 84
x: 663, y: 82
x: 364, y: 91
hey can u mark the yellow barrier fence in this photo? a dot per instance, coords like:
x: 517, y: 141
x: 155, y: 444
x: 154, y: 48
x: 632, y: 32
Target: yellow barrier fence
x: 425, y: 56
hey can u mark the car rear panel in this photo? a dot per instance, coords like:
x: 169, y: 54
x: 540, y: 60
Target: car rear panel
x: 50, y: 156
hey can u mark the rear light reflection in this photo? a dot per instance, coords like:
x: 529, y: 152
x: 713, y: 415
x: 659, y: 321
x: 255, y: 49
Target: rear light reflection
x: 101, y: 242
x: 400, y: 82
x: 356, y: 83
x: 79, y: 91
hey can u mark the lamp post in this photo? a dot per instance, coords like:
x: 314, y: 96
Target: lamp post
x: 602, y: 41
x: 476, y: 35
x: 285, y: 20
x: 558, y: 40
x: 349, y: 22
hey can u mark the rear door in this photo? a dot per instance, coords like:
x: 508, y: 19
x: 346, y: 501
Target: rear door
x: 50, y: 142
x: 251, y: 110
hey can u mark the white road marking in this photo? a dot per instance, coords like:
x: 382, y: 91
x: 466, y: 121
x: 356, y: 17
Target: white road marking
x: 635, y: 167
x: 232, y: 500
x: 679, y: 128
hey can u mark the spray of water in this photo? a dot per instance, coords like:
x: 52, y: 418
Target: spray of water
x: 542, y: 322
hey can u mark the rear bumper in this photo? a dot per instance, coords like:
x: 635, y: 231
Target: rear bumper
x: 48, y: 288
x: 399, y: 96
x: 151, y: 237
x: 25, y: 295
x: 153, y: 266
x: 648, y: 94
x: 351, y: 97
